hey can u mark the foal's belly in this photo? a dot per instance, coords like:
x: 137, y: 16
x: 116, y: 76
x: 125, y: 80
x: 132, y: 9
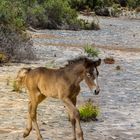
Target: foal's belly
x: 54, y: 90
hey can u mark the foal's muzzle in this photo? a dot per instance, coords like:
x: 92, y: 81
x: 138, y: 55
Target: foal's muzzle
x: 96, y: 92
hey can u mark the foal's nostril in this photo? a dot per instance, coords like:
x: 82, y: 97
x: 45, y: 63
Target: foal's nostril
x: 97, y: 92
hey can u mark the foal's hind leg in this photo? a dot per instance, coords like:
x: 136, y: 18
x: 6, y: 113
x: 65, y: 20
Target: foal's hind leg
x: 29, y: 122
x: 32, y: 115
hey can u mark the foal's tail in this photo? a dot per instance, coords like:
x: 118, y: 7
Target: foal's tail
x: 21, y: 76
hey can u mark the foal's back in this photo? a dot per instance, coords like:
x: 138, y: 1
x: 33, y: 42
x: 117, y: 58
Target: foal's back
x: 50, y: 82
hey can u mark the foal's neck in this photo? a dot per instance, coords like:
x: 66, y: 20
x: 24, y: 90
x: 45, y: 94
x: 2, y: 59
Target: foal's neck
x: 75, y: 73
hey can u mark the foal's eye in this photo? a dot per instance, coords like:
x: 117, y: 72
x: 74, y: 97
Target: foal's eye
x: 88, y: 75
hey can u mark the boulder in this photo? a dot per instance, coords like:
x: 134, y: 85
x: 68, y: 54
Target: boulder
x: 123, y: 3
x: 102, y: 11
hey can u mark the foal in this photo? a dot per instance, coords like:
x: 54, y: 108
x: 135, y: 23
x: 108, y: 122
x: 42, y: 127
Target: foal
x: 62, y: 83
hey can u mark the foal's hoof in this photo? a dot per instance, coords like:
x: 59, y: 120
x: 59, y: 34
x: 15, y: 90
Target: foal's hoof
x: 40, y: 138
x: 26, y: 133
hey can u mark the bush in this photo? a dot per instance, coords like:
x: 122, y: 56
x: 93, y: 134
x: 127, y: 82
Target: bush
x: 17, y: 46
x: 89, y: 25
x: 59, y: 14
x: 85, y: 4
x: 90, y: 4
x: 36, y: 17
x: 53, y: 14
x: 133, y: 3
x: 3, y: 58
x: 138, y: 9
x: 88, y: 111
x: 91, y: 51
x: 12, y: 14
x: 16, y: 88
x: 14, y: 42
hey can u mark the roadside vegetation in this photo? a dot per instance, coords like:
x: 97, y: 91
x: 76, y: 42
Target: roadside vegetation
x: 16, y: 16
x: 89, y: 111
x: 91, y: 51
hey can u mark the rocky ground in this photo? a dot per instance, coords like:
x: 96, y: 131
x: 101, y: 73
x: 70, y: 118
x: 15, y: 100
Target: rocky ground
x: 119, y: 100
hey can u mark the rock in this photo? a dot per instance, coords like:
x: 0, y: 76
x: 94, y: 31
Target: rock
x: 123, y: 3
x: 102, y: 11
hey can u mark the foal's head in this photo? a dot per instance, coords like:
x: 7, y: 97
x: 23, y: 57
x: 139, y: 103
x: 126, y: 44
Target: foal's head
x: 91, y: 71
x: 91, y: 75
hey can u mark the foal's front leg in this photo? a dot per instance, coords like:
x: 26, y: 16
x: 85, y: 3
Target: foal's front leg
x: 75, y: 117
x: 73, y: 122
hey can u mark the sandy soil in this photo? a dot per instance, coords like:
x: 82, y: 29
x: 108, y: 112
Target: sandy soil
x: 119, y: 100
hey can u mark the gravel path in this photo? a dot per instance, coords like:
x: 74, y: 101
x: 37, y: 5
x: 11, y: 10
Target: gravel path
x: 119, y: 99
x: 115, y: 32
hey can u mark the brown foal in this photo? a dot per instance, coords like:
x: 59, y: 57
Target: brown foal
x: 62, y: 83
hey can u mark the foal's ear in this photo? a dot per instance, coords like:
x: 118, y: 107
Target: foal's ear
x: 23, y: 72
x: 97, y: 62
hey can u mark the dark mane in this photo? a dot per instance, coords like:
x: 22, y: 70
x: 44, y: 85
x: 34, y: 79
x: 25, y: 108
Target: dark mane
x: 74, y: 61
x: 82, y: 60
x: 77, y: 60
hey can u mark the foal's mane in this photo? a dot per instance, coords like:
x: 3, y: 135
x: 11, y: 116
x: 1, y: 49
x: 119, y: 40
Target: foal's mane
x: 79, y: 60
x: 76, y: 61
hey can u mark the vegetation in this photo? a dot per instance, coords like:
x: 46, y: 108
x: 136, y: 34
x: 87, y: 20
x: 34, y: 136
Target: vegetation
x: 15, y: 43
x: 51, y: 64
x: 91, y: 51
x: 3, y: 58
x: 51, y: 14
x: 133, y: 3
x: 17, y: 15
x: 14, y: 19
x: 88, y: 111
x: 91, y: 4
x: 16, y: 88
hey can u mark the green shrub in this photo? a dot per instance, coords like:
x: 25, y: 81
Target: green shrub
x: 3, y: 58
x: 15, y: 87
x: 36, y: 17
x: 88, y: 111
x: 133, y: 3
x: 59, y: 13
x: 91, y: 26
x: 12, y: 14
x: 16, y: 45
x: 91, y: 51
x: 116, y: 10
x: 84, y: 4
x: 51, y: 64
x: 53, y: 14
x: 90, y: 4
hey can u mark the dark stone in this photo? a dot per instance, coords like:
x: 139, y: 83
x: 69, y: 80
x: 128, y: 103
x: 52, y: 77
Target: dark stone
x: 102, y: 11
x: 123, y: 3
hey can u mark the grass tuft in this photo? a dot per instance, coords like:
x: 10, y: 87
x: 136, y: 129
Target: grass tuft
x: 88, y: 112
x: 16, y: 88
x: 91, y: 51
x: 3, y: 57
